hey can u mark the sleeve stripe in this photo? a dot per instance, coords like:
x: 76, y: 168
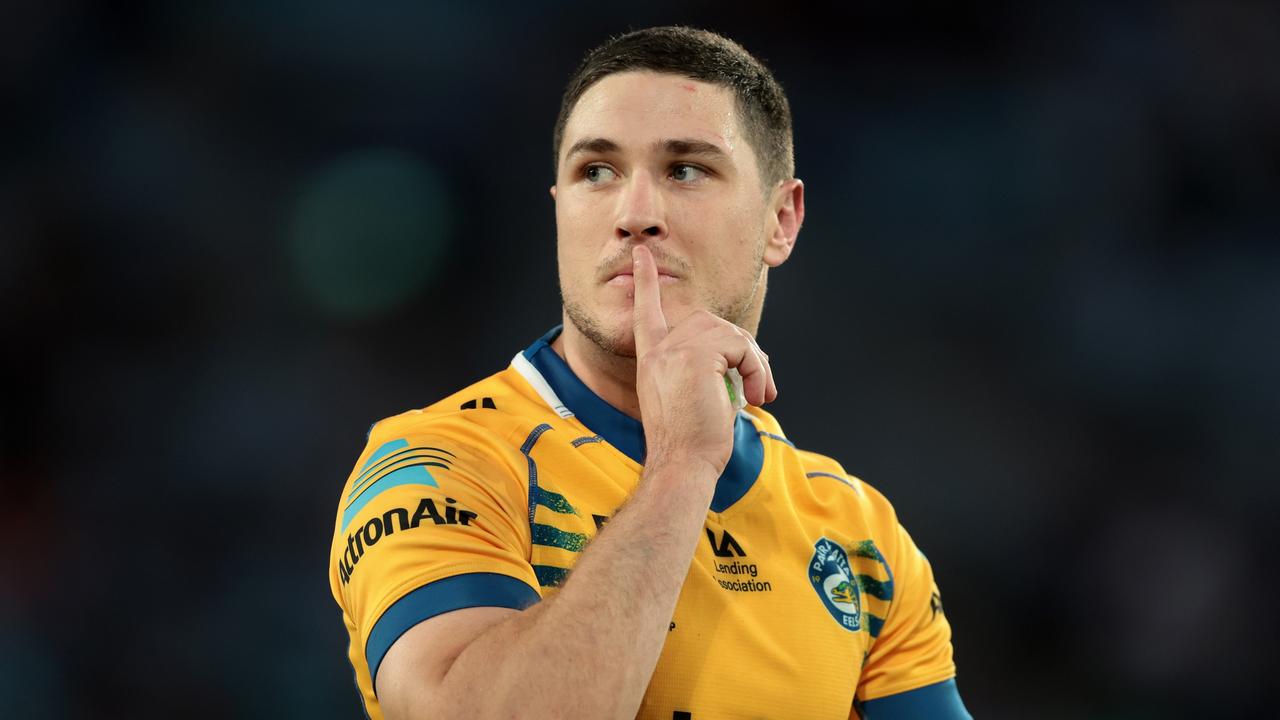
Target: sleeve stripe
x: 383, y: 450
x: 940, y: 701
x: 833, y: 476
x: 372, y: 468
x: 771, y: 436
x: 411, y: 474
x: 397, y: 466
x: 442, y: 596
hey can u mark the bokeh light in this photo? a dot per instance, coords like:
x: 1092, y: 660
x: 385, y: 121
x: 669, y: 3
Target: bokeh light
x: 368, y: 231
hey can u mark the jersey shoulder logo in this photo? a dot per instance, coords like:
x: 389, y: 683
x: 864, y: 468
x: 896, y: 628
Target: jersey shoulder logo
x: 394, y: 464
x: 836, y: 584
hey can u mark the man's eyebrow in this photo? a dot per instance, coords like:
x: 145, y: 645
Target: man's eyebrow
x: 679, y: 146
x: 593, y: 145
x: 693, y: 147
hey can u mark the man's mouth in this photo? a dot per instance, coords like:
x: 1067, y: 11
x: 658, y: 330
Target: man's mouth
x: 625, y: 280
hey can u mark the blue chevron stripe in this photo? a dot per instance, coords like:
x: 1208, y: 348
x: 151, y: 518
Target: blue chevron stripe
x: 415, y: 474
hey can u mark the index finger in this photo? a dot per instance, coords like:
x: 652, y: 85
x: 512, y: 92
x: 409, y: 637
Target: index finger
x: 649, y: 324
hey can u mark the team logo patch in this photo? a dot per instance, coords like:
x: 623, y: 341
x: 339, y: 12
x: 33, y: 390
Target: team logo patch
x: 836, y: 584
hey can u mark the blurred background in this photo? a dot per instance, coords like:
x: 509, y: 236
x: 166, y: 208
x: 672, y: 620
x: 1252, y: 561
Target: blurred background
x: 1035, y: 302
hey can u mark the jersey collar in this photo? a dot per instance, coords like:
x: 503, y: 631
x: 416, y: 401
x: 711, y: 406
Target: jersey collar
x: 557, y: 384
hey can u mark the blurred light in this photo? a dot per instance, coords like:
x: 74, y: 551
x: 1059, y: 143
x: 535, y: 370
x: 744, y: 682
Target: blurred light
x: 33, y: 684
x: 367, y: 232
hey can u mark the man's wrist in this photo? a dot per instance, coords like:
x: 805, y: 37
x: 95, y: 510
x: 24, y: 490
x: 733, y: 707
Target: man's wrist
x: 680, y: 469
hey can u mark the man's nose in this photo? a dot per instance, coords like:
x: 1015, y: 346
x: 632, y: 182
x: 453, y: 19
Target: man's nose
x: 640, y: 210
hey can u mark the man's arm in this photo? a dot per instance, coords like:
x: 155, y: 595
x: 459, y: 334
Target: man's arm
x: 590, y: 650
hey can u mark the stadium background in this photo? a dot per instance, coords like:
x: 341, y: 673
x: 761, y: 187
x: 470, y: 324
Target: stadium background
x: 1035, y: 302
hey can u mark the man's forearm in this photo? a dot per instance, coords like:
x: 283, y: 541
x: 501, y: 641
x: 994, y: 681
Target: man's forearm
x: 590, y: 650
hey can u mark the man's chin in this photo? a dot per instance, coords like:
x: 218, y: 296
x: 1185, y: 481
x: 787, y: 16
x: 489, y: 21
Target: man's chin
x: 620, y: 342
x: 625, y: 347
x: 614, y: 336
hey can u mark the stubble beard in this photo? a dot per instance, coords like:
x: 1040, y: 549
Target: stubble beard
x: 621, y: 343
x: 593, y: 330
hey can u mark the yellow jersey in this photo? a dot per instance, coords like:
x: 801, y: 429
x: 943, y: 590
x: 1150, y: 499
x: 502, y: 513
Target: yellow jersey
x: 805, y: 597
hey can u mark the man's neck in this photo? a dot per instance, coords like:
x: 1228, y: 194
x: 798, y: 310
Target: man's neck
x: 611, y: 377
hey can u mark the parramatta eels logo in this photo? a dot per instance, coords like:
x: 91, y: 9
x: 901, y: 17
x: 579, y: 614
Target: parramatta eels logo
x: 845, y: 589
x: 835, y: 584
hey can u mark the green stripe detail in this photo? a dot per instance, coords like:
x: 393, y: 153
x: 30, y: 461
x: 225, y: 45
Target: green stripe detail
x: 555, y: 537
x: 555, y: 502
x: 550, y: 576
x: 867, y: 549
x: 878, y: 589
x: 875, y: 624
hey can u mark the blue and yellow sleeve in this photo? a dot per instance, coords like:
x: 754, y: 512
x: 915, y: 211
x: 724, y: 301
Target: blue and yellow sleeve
x: 429, y: 522
x: 910, y: 672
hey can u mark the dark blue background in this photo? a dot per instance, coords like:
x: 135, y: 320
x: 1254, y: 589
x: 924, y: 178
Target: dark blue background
x: 1035, y: 303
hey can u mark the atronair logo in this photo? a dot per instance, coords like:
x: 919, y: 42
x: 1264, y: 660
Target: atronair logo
x: 835, y: 584
x: 397, y: 519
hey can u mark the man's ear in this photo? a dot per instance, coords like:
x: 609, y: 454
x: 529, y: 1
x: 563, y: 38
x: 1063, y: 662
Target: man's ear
x: 788, y: 216
x: 553, y: 192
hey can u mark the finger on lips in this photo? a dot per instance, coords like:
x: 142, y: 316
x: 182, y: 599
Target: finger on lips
x: 739, y: 347
x: 650, y: 323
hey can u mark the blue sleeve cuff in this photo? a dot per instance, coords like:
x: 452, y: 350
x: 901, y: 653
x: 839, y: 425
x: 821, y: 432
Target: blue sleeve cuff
x: 442, y: 596
x: 940, y: 701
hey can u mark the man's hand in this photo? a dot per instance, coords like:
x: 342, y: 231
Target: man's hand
x: 483, y: 662
x: 680, y: 371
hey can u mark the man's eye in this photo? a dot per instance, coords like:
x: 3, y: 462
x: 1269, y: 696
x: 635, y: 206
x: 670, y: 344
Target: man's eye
x: 596, y: 174
x: 687, y: 173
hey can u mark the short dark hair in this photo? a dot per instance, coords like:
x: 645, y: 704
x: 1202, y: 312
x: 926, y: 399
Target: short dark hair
x: 707, y: 57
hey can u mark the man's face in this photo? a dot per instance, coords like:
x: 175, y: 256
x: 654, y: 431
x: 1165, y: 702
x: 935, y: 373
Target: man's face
x: 658, y: 159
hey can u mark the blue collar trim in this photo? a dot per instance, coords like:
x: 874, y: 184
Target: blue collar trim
x: 627, y: 434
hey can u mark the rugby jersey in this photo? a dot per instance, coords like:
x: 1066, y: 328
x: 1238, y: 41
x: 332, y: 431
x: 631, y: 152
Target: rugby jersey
x: 805, y: 597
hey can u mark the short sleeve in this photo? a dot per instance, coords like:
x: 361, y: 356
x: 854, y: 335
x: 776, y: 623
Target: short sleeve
x: 913, y: 649
x: 429, y: 522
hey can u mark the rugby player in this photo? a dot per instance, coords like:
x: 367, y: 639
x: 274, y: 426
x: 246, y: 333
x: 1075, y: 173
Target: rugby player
x: 601, y: 530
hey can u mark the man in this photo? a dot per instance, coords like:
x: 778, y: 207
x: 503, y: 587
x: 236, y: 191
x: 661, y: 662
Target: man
x: 597, y: 531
